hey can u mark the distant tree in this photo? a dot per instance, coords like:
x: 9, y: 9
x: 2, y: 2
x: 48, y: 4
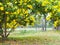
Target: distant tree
x: 54, y: 15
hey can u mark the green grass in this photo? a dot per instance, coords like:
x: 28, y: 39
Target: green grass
x: 35, y: 37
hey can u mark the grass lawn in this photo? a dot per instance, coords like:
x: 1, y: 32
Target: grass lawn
x: 33, y: 38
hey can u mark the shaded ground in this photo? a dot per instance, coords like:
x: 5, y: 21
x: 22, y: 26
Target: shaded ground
x: 33, y: 38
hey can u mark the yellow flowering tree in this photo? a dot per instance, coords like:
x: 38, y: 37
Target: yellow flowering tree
x: 43, y: 7
x: 47, y: 6
x: 14, y: 13
x: 54, y: 15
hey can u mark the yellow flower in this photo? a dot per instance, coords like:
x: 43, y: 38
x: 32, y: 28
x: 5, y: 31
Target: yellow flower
x: 46, y: 10
x: 15, y: 1
x: 44, y: 3
x: 1, y: 8
x: 0, y: 3
x: 26, y: 11
x: 21, y: 14
x: 48, y: 16
x: 58, y: 10
x: 23, y: 10
x: 7, y: 23
x: 27, y: 20
x: 9, y: 3
x: 6, y: 12
x: 29, y: 0
x: 15, y: 26
x: 14, y: 22
x: 25, y: 0
x: 55, y: 23
x: 18, y: 11
x: 55, y: 6
x: 32, y: 18
x: 30, y: 6
x: 26, y: 15
x: 21, y: 2
x: 14, y: 13
x: 25, y: 3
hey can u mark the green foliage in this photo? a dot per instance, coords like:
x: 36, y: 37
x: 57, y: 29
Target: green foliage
x: 16, y: 13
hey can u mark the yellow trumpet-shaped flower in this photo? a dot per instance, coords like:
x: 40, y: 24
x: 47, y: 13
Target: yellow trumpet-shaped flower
x: 48, y: 16
x: 30, y: 6
x: 32, y: 18
x: 58, y: 10
x: 44, y: 3
x: 21, y: 2
x: 46, y: 10
x: 55, y: 23
x: 1, y: 8
x: 18, y: 11
x: 6, y: 12
x: 16, y: 2
x: 23, y: 10
x: 29, y: 0
x: 55, y: 6
x: 26, y: 11
x: 14, y: 13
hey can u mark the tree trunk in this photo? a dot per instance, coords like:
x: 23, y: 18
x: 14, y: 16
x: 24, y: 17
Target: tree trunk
x: 45, y: 23
x: 4, y: 37
x: 5, y: 26
x: 5, y: 29
x: 1, y: 31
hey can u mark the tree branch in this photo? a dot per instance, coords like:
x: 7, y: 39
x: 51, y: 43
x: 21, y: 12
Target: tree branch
x: 10, y: 30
